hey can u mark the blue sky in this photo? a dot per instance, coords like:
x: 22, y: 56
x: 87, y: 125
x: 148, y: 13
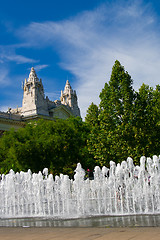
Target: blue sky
x: 78, y: 40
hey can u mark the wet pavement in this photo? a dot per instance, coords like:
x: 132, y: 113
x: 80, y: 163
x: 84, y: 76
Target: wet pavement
x: 89, y: 222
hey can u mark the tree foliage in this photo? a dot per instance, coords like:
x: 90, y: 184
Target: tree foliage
x: 126, y: 122
x: 58, y: 145
x: 146, y: 124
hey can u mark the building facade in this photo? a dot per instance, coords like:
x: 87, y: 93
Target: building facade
x: 35, y: 105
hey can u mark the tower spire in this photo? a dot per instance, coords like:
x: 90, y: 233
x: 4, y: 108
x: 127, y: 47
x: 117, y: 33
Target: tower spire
x: 68, y: 87
x: 33, y: 75
x: 69, y: 98
x: 33, y: 96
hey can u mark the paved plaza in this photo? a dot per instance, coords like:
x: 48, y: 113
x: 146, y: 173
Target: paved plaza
x: 138, y: 233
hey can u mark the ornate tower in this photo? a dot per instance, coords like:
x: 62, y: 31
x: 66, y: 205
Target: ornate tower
x: 34, y: 102
x: 69, y: 98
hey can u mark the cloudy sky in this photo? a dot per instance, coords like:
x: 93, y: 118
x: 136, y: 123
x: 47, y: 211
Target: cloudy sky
x: 79, y: 40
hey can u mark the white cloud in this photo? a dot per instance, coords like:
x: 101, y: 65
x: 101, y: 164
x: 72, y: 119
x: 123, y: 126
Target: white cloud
x: 8, y: 53
x: 4, y: 78
x: 19, y: 59
x: 90, y: 43
x: 40, y: 67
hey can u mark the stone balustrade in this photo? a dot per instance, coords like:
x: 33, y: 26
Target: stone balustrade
x: 11, y: 116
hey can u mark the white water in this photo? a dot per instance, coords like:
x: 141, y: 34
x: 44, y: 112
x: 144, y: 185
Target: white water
x: 128, y: 189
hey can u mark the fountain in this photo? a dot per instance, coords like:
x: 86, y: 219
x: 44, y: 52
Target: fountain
x: 124, y: 189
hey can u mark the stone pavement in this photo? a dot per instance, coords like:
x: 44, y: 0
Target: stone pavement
x: 31, y: 233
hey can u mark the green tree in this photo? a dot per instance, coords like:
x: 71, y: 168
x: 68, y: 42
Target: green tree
x: 146, y: 122
x: 115, y: 116
x: 127, y: 123
x: 113, y: 138
x: 92, y: 120
x: 92, y: 115
x: 58, y: 145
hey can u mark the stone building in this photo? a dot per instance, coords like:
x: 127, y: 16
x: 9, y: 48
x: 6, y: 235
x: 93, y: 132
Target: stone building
x: 35, y: 105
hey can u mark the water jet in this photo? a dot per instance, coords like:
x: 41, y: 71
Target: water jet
x: 122, y: 189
